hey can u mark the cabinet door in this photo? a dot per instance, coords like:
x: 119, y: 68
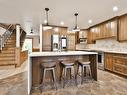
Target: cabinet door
x: 71, y: 41
x: 91, y: 36
x: 46, y: 42
x: 108, y: 62
x: 122, y: 33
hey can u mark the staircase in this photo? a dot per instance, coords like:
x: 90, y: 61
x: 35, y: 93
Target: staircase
x: 8, y: 49
x: 7, y: 55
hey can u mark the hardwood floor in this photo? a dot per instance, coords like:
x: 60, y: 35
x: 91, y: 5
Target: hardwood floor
x: 107, y: 84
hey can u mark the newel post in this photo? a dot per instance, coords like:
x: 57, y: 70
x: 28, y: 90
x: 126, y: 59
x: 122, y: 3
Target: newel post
x: 17, y: 50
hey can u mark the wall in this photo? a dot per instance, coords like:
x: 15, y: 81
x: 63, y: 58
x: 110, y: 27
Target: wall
x: 2, y: 30
x: 109, y: 44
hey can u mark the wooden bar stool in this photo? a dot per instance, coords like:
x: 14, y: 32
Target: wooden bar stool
x: 86, y: 71
x: 48, y: 66
x: 67, y: 66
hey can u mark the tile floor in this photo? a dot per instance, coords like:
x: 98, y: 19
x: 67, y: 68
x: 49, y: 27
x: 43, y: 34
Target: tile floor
x: 107, y: 84
x: 6, y: 72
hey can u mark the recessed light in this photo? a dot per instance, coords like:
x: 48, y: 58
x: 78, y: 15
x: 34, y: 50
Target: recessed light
x: 115, y: 8
x: 56, y: 29
x: 90, y: 21
x: 62, y: 23
x: 45, y: 21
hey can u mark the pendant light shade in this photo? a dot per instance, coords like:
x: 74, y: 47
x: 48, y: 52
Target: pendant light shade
x: 46, y: 26
x: 76, y: 28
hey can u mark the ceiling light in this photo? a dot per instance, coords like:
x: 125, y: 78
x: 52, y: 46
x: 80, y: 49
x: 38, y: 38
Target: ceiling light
x: 76, y: 28
x: 46, y: 27
x: 62, y: 23
x: 90, y: 21
x: 56, y: 29
x: 45, y: 21
x: 115, y: 8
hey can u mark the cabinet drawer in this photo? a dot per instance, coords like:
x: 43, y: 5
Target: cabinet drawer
x: 117, y: 68
x: 125, y: 70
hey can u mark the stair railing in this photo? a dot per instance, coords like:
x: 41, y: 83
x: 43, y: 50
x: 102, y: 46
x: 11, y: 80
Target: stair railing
x: 5, y: 37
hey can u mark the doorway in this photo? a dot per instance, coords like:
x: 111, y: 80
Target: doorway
x: 28, y: 45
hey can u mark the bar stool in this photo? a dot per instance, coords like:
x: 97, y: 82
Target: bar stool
x: 48, y: 66
x: 87, y: 70
x: 65, y: 67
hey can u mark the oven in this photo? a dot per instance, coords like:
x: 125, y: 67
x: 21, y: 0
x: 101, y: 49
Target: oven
x: 101, y: 60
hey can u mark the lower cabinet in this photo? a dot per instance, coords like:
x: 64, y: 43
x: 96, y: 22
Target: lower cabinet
x: 108, y: 62
x: 116, y: 63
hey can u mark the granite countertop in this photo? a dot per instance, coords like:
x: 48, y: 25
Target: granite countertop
x: 35, y: 54
x: 103, y: 50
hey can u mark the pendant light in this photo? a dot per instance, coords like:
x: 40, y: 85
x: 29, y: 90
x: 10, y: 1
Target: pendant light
x: 76, y: 28
x: 46, y: 27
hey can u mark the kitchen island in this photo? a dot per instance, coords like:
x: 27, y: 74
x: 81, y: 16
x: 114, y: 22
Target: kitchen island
x: 35, y: 59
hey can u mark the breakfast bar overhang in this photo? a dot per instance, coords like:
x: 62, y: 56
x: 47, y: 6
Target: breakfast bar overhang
x: 35, y: 58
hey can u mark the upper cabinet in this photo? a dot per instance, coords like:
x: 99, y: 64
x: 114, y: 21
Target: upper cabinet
x: 83, y: 34
x: 122, y: 33
x: 104, y: 30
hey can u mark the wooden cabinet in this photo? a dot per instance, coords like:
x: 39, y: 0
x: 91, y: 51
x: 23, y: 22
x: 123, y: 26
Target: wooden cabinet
x: 116, y: 63
x: 71, y: 41
x: 46, y: 42
x: 120, y: 65
x: 102, y: 31
x: 108, y: 62
x: 91, y: 36
x: 122, y: 33
x: 81, y: 35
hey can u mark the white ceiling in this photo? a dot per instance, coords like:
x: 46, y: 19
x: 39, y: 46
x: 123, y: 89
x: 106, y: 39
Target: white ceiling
x: 32, y: 11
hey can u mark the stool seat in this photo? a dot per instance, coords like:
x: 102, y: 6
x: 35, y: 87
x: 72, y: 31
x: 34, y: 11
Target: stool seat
x: 67, y: 63
x: 84, y: 63
x: 48, y: 65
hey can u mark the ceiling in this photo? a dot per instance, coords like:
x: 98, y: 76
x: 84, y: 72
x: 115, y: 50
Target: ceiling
x: 32, y: 11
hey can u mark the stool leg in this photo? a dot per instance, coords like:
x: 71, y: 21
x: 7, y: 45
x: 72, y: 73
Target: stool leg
x: 82, y: 75
x: 54, y: 78
x: 90, y: 71
x: 43, y: 78
x: 70, y: 73
x: 64, y: 77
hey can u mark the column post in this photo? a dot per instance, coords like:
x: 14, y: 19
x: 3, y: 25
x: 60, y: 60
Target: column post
x: 17, y: 50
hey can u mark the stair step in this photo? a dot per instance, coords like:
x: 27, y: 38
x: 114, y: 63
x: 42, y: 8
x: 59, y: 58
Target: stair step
x: 5, y: 63
x: 11, y: 40
x: 9, y: 46
x: 7, y: 58
x: 5, y: 67
x: 7, y: 55
x: 8, y: 52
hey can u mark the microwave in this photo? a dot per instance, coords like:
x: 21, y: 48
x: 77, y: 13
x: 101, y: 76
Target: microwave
x: 82, y: 40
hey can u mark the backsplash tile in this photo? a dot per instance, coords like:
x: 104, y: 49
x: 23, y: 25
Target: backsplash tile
x: 108, y: 44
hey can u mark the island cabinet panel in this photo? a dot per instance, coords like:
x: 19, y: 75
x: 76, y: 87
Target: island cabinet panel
x: 122, y: 33
x: 37, y: 72
x: 116, y: 62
